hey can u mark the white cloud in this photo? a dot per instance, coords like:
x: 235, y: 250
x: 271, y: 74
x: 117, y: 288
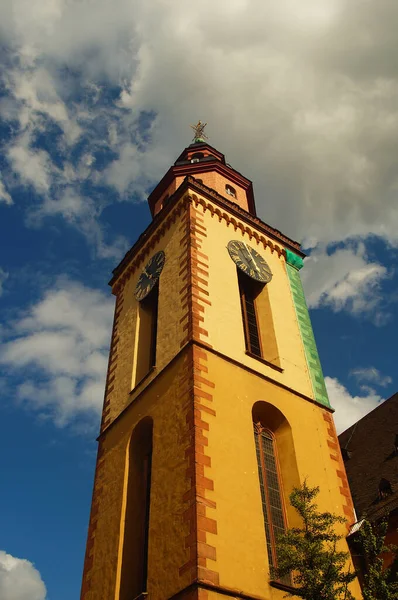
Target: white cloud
x: 19, y: 579
x: 81, y: 212
x: 33, y: 167
x: 302, y: 98
x: 60, y: 347
x: 370, y: 375
x: 56, y: 180
x: 4, y: 195
x: 3, y: 277
x: 344, y: 280
x: 349, y: 409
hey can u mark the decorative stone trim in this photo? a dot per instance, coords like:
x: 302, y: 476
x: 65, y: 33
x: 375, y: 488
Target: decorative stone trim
x: 95, y: 506
x: 197, y: 389
x: 98, y: 478
x: 147, y: 248
x: 194, y: 273
x: 275, y: 233
x: 196, y: 392
x: 237, y: 224
x: 307, y: 335
x: 112, y: 364
x: 335, y: 455
x: 239, y: 218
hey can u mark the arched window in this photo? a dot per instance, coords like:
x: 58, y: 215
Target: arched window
x: 134, y: 564
x: 277, y: 470
x: 230, y: 190
x: 197, y: 157
x: 270, y: 487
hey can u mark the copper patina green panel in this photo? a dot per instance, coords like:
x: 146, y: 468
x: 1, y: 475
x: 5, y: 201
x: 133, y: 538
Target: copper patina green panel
x: 293, y: 264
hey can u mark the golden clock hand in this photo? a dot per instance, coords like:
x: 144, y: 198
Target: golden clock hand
x: 147, y: 274
x: 251, y: 258
x: 248, y: 253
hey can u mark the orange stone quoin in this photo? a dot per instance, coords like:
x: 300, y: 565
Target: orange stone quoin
x: 335, y: 455
x: 197, y: 388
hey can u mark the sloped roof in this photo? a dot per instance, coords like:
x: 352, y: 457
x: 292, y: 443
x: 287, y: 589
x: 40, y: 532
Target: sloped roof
x: 370, y: 443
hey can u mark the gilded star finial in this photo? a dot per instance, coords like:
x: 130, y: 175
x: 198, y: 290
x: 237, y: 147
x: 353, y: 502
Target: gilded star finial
x: 200, y: 135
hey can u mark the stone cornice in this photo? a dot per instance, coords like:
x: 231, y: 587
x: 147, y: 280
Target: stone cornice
x: 245, y: 216
x: 187, y: 169
x: 236, y: 216
x: 146, y: 242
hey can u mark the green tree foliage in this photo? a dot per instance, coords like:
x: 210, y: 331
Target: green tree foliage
x: 310, y: 553
x: 379, y: 583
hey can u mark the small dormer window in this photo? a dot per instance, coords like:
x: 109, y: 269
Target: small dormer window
x: 385, y: 488
x: 346, y: 454
x: 230, y: 191
x: 197, y: 157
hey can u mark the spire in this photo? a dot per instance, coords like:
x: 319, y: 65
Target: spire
x: 200, y: 135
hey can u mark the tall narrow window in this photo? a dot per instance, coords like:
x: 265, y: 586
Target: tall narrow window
x: 257, y: 320
x: 134, y: 566
x: 249, y: 289
x: 270, y: 487
x: 147, y: 333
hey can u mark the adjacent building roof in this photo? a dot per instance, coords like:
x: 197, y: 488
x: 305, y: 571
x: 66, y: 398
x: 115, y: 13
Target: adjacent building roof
x: 370, y: 456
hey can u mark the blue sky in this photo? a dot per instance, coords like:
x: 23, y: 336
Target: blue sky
x: 96, y: 99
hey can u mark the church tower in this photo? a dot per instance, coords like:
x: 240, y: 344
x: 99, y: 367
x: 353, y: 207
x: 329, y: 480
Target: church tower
x: 215, y: 403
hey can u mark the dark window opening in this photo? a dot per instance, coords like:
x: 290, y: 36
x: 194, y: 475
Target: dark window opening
x: 270, y: 488
x: 230, y: 190
x: 134, y: 571
x: 197, y: 157
x: 249, y: 289
x: 385, y: 488
x: 258, y: 326
x: 199, y: 180
x: 147, y: 333
x: 346, y: 454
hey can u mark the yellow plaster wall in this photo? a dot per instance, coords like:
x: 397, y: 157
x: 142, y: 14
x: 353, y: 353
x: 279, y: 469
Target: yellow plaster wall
x: 223, y: 318
x: 242, y: 561
x: 170, y: 330
x: 167, y: 533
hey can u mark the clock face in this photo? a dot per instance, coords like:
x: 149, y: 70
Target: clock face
x: 149, y: 275
x: 249, y: 261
